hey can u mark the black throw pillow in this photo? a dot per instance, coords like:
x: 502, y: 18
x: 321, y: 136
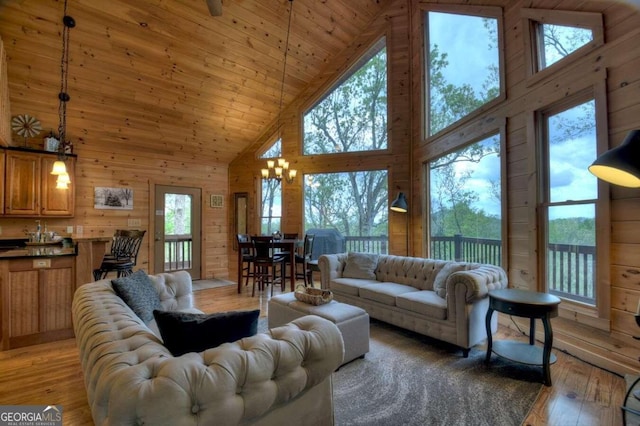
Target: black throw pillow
x: 184, y: 332
x: 138, y: 291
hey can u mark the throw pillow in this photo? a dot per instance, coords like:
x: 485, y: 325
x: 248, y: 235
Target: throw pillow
x: 184, y: 332
x: 440, y: 282
x: 138, y: 291
x: 361, y: 265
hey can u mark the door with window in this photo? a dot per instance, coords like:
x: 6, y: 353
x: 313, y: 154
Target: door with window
x: 177, y: 245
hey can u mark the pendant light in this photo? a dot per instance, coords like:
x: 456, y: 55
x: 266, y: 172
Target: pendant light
x: 59, y: 167
x: 281, y: 170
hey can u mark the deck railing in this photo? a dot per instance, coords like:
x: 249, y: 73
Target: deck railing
x: 466, y: 249
x: 570, y: 271
x: 379, y: 245
x: 570, y: 267
x: 177, y: 252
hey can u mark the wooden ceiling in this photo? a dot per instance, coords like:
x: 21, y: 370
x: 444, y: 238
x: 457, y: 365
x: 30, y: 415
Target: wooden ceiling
x: 167, y: 70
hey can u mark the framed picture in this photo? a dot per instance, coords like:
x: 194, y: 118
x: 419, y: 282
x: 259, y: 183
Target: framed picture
x: 113, y: 198
x: 217, y: 201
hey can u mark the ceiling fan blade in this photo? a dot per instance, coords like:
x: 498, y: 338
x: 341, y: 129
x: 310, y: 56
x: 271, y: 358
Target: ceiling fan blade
x: 215, y: 7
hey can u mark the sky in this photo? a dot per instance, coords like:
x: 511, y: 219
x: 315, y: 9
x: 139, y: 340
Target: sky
x: 469, y: 55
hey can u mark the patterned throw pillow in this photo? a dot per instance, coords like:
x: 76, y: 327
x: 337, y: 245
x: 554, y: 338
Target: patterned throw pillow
x: 138, y: 291
x: 184, y: 332
x: 361, y: 265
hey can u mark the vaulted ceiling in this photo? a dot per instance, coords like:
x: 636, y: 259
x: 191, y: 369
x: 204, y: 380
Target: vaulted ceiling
x: 170, y: 70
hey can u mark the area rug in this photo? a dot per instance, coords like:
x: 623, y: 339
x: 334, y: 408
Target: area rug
x: 410, y: 379
x: 206, y: 284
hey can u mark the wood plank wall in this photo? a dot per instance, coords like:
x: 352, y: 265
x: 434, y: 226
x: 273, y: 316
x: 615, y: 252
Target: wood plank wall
x: 124, y: 134
x: 615, y: 350
x: 142, y: 146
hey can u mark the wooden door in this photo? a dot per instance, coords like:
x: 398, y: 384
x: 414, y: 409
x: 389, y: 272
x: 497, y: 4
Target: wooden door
x: 177, y: 226
x: 23, y: 184
x: 57, y: 202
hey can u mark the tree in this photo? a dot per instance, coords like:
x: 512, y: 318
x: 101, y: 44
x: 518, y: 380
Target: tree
x: 352, y: 117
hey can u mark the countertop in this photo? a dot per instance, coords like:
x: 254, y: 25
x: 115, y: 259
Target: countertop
x: 39, y: 251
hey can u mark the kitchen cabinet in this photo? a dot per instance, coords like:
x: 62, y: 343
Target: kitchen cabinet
x: 36, y: 300
x: 29, y: 187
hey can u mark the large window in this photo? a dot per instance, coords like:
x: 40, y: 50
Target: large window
x: 355, y: 204
x: 353, y: 115
x: 569, y: 199
x: 465, y: 208
x: 271, y: 212
x: 463, y: 66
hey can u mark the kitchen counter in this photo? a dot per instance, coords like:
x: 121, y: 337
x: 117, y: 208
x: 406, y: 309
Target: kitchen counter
x: 38, y: 251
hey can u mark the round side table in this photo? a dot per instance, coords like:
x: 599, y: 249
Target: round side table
x: 528, y: 304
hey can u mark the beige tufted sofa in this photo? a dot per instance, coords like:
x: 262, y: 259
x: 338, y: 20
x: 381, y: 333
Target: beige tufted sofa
x: 280, y: 377
x: 403, y: 294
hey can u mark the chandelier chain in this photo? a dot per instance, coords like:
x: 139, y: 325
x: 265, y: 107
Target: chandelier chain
x: 63, y: 96
x: 284, y: 66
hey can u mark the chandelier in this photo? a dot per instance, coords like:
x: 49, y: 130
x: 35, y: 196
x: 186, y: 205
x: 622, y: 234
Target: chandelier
x: 281, y: 170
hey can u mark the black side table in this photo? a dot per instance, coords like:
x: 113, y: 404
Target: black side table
x: 528, y: 304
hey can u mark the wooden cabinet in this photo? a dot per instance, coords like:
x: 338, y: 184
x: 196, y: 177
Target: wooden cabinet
x: 36, y: 300
x: 30, y: 189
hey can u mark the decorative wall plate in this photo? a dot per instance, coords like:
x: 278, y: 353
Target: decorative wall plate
x: 26, y: 125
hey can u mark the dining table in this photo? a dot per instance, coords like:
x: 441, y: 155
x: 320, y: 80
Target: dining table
x: 287, y: 245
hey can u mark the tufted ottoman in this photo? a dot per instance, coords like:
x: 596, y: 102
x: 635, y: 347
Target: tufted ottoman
x: 353, y: 322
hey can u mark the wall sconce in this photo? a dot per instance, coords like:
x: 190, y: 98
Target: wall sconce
x: 620, y: 165
x: 279, y: 172
x: 400, y: 203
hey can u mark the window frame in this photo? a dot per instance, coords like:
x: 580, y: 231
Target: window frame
x: 481, y: 11
x: 452, y: 141
x: 531, y: 20
x: 595, y: 316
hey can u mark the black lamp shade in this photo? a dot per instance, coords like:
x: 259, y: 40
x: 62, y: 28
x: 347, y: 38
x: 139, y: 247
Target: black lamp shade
x: 620, y: 165
x: 399, y: 204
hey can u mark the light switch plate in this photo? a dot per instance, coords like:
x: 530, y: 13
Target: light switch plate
x: 69, y: 229
x: 134, y: 222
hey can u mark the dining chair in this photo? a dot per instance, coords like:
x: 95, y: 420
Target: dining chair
x: 265, y: 264
x: 123, y: 255
x: 245, y: 246
x: 304, y: 258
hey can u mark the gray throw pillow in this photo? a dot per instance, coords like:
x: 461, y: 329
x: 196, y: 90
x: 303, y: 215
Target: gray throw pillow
x: 184, y: 332
x: 361, y: 265
x: 440, y: 282
x: 138, y: 291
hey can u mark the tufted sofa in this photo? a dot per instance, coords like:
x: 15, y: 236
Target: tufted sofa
x: 440, y: 299
x: 279, y: 377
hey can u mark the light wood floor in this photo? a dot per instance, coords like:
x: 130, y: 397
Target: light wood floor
x: 49, y: 374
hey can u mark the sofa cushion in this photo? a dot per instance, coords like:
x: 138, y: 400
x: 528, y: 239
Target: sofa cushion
x: 139, y: 292
x: 440, y: 282
x: 184, y: 332
x: 423, y: 302
x: 350, y: 286
x: 385, y: 292
x: 361, y: 265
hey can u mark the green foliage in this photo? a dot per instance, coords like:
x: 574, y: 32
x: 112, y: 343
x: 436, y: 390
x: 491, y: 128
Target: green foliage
x: 352, y: 117
x: 576, y: 231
